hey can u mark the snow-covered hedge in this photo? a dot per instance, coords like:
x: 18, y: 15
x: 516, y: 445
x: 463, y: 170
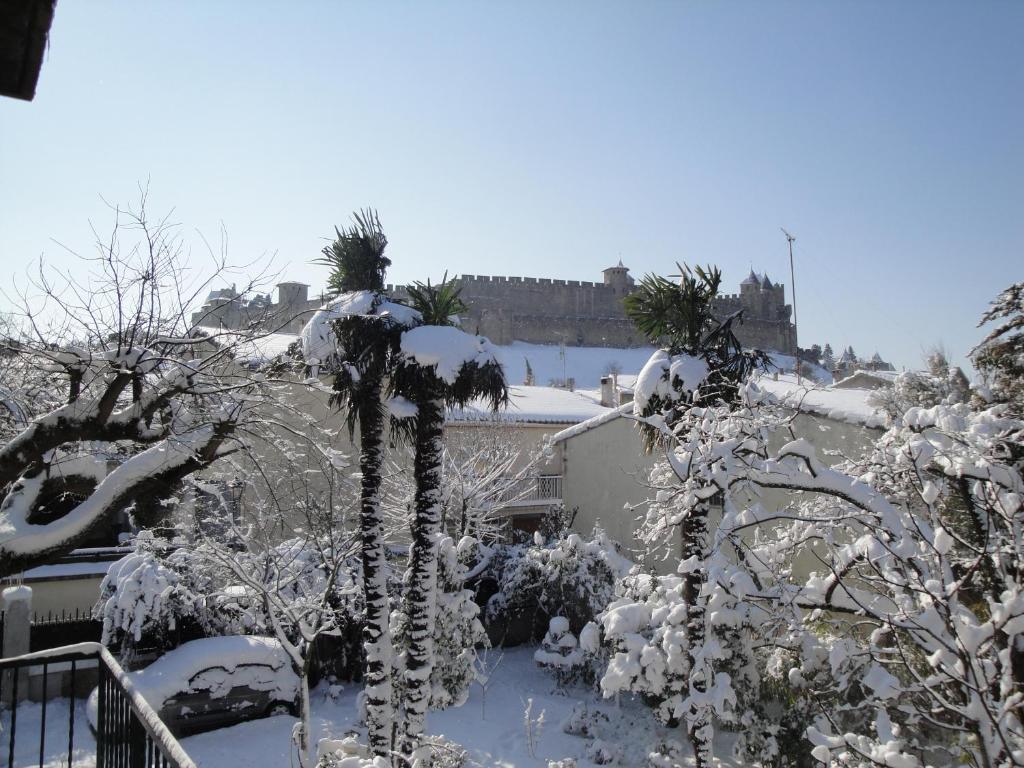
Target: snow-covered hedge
x: 571, y: 577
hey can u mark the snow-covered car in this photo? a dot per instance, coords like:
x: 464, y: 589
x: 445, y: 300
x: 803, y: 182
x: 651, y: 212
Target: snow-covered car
x: 216, y: 682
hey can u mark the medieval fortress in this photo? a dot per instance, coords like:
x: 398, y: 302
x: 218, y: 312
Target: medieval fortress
x: 537, y: 310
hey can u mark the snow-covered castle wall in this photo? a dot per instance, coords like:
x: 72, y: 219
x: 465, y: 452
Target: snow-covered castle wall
x: 581, y: 313
x: 531, y: 309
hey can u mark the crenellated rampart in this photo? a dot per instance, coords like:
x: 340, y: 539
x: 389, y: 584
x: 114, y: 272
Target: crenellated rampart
x: 544, y: 310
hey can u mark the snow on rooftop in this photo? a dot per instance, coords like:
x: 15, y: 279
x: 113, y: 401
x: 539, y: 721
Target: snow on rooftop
x: 536, y: 405
x: 584, y: 364
x: 67, y: 570
x: 610, y: 414
x: 886, y: 376
x: 262, y: 348
x: 847, y: 405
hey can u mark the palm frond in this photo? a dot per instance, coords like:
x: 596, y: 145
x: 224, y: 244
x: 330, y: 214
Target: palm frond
x: 356, y: 257
x: 439, y: 304
x: 678, y: 314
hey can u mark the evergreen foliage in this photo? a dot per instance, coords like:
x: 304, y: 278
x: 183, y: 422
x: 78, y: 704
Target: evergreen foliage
x: 356, y: 257
x: 1000, y: 355
x: 678, y: 313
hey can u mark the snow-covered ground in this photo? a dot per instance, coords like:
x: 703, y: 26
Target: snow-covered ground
x: 491, y: 726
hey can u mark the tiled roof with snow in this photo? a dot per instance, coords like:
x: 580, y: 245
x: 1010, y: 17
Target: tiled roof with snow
x: 262, y: 348
x: 535, y: 405
x: 847, y: 405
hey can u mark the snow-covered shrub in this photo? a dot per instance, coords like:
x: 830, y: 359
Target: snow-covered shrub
x: 941, y: 384
x: 444, y: 753
x: 583, y: 721
x: 568, y: 658
x: 147, y: 602
x: 645, y: 631
x: 160, y: 596
x: 646, y: 634
x: 560, y: 651
x: 571, y: 577
x: 668, y: 754
x: 602, y: 752
x: 556, y: 522
x: 458, y: 632
x: 794, y: 690
x: 340, y: 758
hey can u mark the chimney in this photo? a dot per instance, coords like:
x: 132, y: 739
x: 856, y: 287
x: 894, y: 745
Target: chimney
x: 607, y: 392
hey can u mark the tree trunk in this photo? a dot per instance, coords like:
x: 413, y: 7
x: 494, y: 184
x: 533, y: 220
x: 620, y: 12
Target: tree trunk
x: 305, y: 747
x: 376, y: 632
x: 698, y: 719
x: 421, y: 594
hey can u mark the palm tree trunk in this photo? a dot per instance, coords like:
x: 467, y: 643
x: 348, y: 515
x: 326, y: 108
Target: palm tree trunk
x: 421, y: 594
x: 698, y: 719
x: 376, y: 632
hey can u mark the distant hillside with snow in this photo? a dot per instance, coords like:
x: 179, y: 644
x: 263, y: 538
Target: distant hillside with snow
x: 584, y: 364
x: 588, y: 364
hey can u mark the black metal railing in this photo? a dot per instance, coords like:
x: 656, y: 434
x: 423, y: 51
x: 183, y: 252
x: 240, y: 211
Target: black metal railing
x: 128, y: 732
x: 52, y: 630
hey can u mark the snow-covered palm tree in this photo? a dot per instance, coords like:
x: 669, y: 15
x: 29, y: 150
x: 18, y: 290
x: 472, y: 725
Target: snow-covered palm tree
x: 363, y: 329
x: 442, y: 367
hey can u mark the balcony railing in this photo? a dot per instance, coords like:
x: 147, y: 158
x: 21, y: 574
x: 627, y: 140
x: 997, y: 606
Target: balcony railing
x: 532, y: 491
x: 129, y: 733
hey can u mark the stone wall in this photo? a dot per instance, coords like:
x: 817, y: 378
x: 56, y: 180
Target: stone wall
x: 287, y: 315
x: 581, y: 313
x: 532, y: 309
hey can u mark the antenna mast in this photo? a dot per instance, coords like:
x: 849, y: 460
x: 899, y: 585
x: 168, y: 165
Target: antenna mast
x: 792, y: 282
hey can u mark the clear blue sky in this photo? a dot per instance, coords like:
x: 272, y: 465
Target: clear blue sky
x: 547, y: 139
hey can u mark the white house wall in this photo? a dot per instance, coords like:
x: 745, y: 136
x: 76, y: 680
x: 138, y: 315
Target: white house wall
x: 605, y: 469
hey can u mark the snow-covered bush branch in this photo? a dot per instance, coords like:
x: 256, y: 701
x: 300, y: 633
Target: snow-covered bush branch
x: 134, y: 403
x: 912, y: 551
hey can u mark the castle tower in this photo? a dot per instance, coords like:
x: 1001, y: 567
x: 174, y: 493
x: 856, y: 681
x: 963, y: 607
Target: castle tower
x: 618, y: 278
x: 751, y: 285
x: 292, y: 295
x: 769, y: 305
